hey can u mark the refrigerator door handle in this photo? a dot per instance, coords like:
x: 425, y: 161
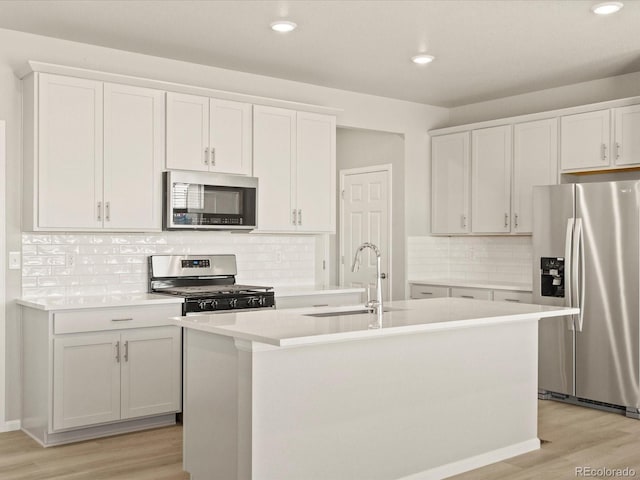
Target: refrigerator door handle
x: 580, y: 277
x: 568, y: 271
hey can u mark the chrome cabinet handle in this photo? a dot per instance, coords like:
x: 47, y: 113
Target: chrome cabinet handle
x: 467, y: 296
x: 206, y: 156
x: 506, y: 220
x: 464, y: 221
x: 603, y: 152
x: 118, y: 351
x: 295, y: 217
x: 126, y: 351
x: 300, y: 217
x: 617, y: 150
x: 107, y: 211
x: 514, y: 300
x: 426, y: 293
x: 121, y: 319
x: 99, y: 211
x: 213, y: 156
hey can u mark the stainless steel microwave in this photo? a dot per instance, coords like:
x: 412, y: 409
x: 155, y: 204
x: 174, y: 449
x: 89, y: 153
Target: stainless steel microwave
x: 209, y: 201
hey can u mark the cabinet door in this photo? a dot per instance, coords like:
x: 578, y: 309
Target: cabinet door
x: 584, y: 141
x: 428, y: 291
x: 316, y: 172
x: 133, y: 153
x: 626, y: 150
x: 230, y: 136
x: 86, y: 380
x: 187, y: 132
x: 151, y: 362
x: 274, y: 147
x: 69, y: 153
x: 491, y: 180
x: 450, y: 183
x: 535, y: 162
x: 472, y: 293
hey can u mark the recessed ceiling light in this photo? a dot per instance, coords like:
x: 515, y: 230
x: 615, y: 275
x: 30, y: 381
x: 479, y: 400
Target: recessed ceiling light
x: 422, y: 59
x: 283, y: 26
x: 607, y: 8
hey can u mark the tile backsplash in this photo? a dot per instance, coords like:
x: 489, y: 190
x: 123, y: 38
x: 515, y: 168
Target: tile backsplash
x: 492, y: 259
x: 97, y: 264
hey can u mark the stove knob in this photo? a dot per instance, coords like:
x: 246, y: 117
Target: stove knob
x: 262, y: 301
x: 233, y: 303
x: 253, y: 301
x: 214, y: 304
x: 202, y: 304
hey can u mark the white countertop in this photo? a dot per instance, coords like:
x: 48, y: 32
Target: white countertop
x: 489, y: 285
x: 297, y: 291
x: 294, y: 326
x: 75, y: 303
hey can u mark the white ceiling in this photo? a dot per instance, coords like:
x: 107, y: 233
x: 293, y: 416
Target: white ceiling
x: 484, y: 49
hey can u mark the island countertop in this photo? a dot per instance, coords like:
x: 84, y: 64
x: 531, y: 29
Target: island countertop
x: 291, y: 327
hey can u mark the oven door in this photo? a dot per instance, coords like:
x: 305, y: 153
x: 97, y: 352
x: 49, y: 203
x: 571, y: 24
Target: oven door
x: 208, y: 201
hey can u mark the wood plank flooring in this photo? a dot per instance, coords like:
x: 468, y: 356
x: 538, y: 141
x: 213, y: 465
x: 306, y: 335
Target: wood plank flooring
x: 575, y: 437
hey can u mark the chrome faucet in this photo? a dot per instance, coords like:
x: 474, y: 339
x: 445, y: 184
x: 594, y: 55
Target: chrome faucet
x: 377, y: 303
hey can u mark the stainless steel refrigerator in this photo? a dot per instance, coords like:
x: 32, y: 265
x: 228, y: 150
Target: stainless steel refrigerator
x: 586, y: 249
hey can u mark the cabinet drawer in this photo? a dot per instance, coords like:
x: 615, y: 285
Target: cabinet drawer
x: 317, y: 300
x: 476, y: 293
x: 92, y: 320
x: 428, y: 291
x: 509, y: 296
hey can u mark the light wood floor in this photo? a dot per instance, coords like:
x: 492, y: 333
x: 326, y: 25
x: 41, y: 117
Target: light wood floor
x: 574, y: 437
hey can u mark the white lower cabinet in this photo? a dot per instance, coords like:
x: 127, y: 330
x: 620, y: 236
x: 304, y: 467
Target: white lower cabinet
x: 117, y: 370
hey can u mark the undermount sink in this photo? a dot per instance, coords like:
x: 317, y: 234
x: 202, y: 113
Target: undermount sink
x: 342, y: 313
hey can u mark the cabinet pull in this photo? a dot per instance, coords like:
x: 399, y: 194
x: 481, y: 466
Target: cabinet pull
x: 603, y: 152
x: 514, y: 300
x: 426, y: 293
x: 464, y: 221
x: 515, y: 220
x: 206, y: 156
x: 300, y: 217
x: 467, y: 296
x: 295, y: 217
x: 121, y: 319
x: 118, y: 351
x: 107, y: 211
x: 213, y: 156
x: 99, y: 211
x: 506, y: 220
x: 321, y: 305
x: 126, y: 351
x: 617, y: 150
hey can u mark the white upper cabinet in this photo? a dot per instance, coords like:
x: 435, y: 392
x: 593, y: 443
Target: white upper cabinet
x: 207, y: 134
x: 584, y: 141
x: 294, y: 159
x: 491, y: 180
x: 69, y: 147
x: 94, y: 150
x: 450, y: 159
x: 626, y: 148
x: 535, y: 162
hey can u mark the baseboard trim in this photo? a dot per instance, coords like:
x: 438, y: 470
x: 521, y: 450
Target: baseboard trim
x: 482, y: 460
x: 10, y: 426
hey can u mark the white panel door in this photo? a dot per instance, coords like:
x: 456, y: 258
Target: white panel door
x: 584, y: 141
x: 69, y: 152
x: 274, y: 149
x: 535, y: 162
x: 626, y: 149
x: 450, y: 183
x: 230, y: 136
x: 187, y: 132
x: 86, y: 380
x: 133, y: 153
x: 491, y: 179
x: 316, y: 172
x: 151, y: 363
x: 365, y: 212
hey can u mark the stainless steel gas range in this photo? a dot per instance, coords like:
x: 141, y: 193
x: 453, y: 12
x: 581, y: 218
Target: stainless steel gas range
x: 207, y: 283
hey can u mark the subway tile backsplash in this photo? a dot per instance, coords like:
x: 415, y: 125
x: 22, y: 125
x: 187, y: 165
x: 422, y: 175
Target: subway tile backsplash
x: 67, y: 264
x: 490, y: 259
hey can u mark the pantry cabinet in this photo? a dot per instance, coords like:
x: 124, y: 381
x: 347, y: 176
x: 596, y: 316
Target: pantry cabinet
x: 491, y: 180
x: 95, y: 371
x: 450, y: 169
x: 294, y: 159
x: 209, y: 135
x: 93, y: 155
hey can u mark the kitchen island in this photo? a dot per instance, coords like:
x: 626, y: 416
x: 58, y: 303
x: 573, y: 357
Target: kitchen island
x: 440, y: 387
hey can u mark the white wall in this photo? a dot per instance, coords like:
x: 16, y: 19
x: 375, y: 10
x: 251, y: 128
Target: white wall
x: 594, y: 91
x: 359, y: 111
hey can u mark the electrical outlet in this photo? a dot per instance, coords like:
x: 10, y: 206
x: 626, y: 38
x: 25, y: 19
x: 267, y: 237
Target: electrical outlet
x: 14, y: 260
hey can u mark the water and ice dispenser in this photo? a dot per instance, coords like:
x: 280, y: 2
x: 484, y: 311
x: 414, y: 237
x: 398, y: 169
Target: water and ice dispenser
x: 552, y: 276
